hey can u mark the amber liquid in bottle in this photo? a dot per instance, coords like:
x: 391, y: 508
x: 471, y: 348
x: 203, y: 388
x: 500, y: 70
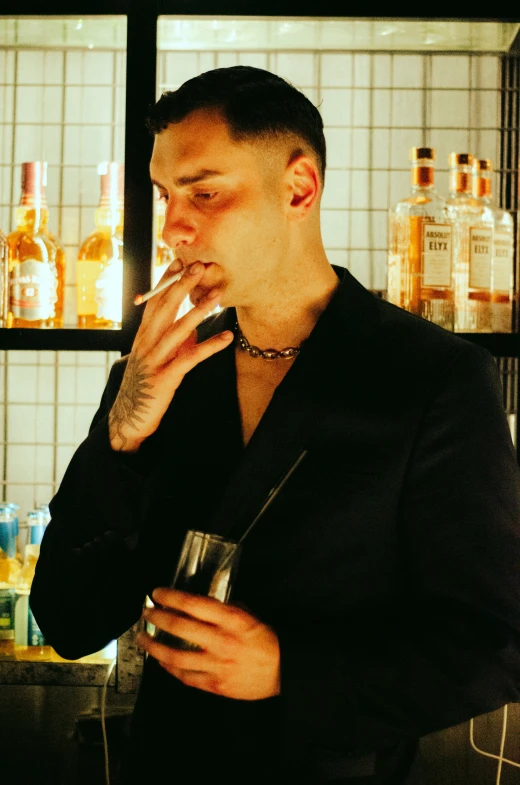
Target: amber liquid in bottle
x: 164, y: 255
x: 4, y: 281
x: 36, y: 259
x: 99, y: 278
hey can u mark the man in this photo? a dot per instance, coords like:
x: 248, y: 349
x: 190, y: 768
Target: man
x: 378, y: 599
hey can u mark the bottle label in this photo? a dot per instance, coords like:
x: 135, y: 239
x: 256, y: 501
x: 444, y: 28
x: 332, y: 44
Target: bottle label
x: 502, y: 262
x: 4, y: 282
x: 480, y: 252
x: 87, y: 273
x: 34, y: 634
x: 33, y: 290
x: 437, y: 244
x: 109, y: 292
x: 6, y: 613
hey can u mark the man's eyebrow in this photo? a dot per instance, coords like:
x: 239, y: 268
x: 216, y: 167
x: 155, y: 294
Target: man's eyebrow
x: 203, y: 174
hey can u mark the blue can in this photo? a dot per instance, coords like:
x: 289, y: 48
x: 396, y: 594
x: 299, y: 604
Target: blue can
x: 46, y: 512
x: 36, y: 526
x: 8, y: 531
x: 14, y: 508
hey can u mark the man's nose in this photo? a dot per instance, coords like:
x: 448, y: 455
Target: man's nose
x: 178, y: 229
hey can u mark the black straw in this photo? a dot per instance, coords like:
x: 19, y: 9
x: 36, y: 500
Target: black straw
x: 275, y: 490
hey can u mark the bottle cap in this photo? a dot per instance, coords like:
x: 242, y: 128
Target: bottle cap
x: 34, y: 180
x: 36, y: 522
x: 422, y: 153
x: 460, y: 159
x: 112, y: 184
x: 483, y: 165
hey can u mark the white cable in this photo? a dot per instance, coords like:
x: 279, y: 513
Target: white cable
x: 502, y: 744
x: 103, y: 728
x: 500, y: 758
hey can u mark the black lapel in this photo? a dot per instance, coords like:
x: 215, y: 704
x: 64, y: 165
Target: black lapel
x: 302, y: 409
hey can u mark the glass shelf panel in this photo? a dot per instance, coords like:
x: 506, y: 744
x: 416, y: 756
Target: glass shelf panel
x: 94, y: 32
x: 62, y: 101
x: 261, y: 33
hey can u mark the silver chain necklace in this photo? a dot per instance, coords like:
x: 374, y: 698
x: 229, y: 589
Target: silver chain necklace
x: 265, y: 354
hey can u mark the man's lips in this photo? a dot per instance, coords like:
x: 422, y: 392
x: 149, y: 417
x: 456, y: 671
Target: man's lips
x: 190, y: 263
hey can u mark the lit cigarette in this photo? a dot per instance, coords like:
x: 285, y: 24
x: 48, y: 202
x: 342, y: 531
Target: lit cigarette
x: 141, y: 298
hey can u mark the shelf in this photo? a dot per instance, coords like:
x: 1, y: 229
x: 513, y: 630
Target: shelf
x: 89, y: 671
x: 189, y: 32
x: 64, y: 339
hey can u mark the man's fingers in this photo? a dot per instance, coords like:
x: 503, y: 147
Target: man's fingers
x: 162, y: 309
x: 190, y: 357
x: 180, y: 331
x: 185, y: 627
x: 173, y: 272
x: 205, y: 609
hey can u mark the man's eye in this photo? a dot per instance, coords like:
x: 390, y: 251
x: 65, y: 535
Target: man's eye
x: 162, y: 198
x: 206, y: 197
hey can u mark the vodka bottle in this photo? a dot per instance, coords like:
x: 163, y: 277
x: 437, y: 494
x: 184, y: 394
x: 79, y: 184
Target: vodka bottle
x: 472, y: 245
x: 420, y: 247
x: 502, y: 250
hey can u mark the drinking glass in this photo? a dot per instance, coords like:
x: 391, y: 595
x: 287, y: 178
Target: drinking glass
x: 207, y: 566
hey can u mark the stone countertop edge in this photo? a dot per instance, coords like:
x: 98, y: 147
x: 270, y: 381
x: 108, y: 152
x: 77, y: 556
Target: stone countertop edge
x: 62, y: 674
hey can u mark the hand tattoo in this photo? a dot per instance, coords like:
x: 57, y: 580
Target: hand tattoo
x: 131, y: 400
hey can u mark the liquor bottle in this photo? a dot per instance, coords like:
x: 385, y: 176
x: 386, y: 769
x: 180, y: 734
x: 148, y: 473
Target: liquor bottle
x: 36, y: 258
x: 99, y: 278
x: 10, y: 547
x: 9, y: 576
x: 164, y: 255
x: 502, y: 249
x: 420, y: 247
x: 30, y: 643
x: 472, y: 248
x: 4, y: 281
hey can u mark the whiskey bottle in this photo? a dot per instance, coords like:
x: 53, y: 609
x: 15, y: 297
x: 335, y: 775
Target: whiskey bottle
x: 502, y: 249
x: 164, y: 255
x: 420, y: 247
x: 4, y: 281
x: 36, y: 258
x: 472, y: 248
x: 99, y: 269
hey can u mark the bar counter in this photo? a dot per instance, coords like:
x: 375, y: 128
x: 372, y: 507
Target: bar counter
x: 90, y: 671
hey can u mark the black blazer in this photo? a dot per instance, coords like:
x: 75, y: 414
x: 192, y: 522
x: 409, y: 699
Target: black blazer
x: 388, y: 564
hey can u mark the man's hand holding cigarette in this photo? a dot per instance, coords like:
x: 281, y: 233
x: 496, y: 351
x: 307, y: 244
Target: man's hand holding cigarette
x: 164, y: 350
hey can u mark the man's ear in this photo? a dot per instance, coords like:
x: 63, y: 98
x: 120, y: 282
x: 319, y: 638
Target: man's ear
x: 304, y: 187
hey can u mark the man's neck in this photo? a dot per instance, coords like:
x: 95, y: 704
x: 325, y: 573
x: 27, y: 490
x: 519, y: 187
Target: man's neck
x: 288, y: 319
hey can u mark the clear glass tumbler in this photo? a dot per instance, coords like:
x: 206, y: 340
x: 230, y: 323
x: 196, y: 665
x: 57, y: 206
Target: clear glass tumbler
x: 207, y: 566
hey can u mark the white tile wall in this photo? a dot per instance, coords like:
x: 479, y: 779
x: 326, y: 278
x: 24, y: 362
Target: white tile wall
x: 374, y: 106
x: 48, y: 400
x: 66, y: 108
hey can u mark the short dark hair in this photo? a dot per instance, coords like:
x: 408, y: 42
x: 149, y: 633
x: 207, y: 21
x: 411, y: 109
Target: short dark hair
x: 253, y: 102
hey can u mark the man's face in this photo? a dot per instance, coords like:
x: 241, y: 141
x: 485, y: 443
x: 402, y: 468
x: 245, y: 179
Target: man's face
x: 225, y: 205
